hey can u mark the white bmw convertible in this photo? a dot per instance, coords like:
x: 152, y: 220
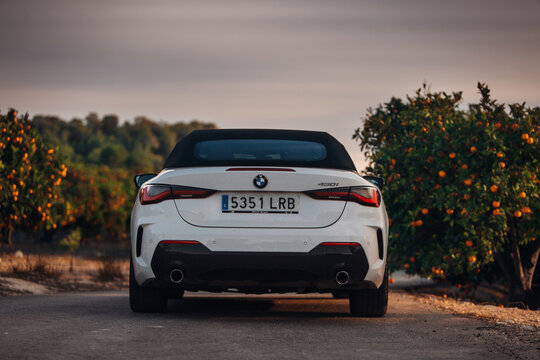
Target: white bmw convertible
x: 259, y: 211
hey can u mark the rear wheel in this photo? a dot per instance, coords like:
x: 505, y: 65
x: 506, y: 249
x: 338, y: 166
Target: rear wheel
x: 370, y: 302
x: 145, y: 299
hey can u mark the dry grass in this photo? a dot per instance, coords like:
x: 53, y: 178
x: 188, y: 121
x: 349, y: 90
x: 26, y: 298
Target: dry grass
x: 109, y: 270
x: 38, y: 267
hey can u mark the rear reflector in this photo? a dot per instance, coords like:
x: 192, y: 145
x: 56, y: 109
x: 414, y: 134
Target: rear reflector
x: 152, y: 194
x: 340, y: 244
x: 367, y: 196
x: 193, y: 242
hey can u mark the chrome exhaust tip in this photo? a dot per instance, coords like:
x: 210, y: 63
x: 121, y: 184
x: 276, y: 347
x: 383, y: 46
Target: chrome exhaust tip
x: 342, y: 277
x: 176, y: 276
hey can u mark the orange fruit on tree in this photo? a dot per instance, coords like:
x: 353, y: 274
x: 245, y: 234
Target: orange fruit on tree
x: 468, y: 243
x: 496, y: 204
x: 449, y: 211
x: 526, y: 210
x: 472, y: 259
x: 473, y: 148
x: 393, y: 161
x: 530, y: 140
x: 419, y: 223
x: 464, y: 166
x: 497, y: 212
x: 425, y: 211
x: 412, y: 259
x: 493, y: 188
x: 437, y: 186
x: 502, y: 165
x: 517, y: 213
x: 407, y: 266
x: 391, y: 280
x: 467, y: 182
x: 466, y: 196
x: 525, y: 136
x: 497, y: 125
x: 442, y: 173
x: 452, y: 155
x: 522, y: 195
x: 500, y: 154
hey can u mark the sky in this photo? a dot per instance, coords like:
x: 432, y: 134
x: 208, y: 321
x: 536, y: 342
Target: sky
x: 292, y: 64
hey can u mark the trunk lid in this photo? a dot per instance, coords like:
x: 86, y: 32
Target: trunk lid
x: 239, y: 202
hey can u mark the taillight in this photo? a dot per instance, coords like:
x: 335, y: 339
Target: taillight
x: 152, y: 194
x: 367, y: 196
x: 186, y: 192
x: 330, y: 194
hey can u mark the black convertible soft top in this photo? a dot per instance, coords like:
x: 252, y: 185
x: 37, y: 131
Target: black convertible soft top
x: 183, y: 154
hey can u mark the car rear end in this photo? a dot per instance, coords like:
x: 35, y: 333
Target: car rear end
x: 263, y: 211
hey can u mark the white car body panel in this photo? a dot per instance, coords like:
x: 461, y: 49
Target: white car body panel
x: 340, y: 221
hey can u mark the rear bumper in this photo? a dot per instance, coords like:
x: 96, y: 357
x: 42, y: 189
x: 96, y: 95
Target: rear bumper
x: 259, y: 272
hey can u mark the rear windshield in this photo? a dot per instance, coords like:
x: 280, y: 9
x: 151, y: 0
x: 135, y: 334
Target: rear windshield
x: 259, y: 149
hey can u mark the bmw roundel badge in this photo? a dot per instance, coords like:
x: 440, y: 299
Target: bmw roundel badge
x: 260, y: 181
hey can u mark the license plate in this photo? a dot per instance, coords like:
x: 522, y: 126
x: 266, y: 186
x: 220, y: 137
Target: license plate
x: 269, y: 203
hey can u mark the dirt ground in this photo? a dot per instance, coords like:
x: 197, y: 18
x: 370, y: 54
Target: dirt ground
x: 42, y: 274
x: 22, y: 274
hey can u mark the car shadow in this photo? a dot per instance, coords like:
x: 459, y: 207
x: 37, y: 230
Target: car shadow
x: 260, y: 307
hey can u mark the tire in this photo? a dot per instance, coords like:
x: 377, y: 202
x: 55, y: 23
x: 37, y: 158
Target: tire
x: 145, y: 299
x: 370, y: 302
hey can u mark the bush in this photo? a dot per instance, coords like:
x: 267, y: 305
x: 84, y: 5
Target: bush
x: 462, y: 187
x: 98, y: 200
x: 72, y: 241
x: 30, y: 178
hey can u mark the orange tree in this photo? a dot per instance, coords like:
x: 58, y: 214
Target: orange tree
x: 98, y: 200
x: 462, y: 188
x: 30, y: 179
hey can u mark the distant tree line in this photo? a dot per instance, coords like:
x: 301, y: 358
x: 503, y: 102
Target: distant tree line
x: 140, y: 145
